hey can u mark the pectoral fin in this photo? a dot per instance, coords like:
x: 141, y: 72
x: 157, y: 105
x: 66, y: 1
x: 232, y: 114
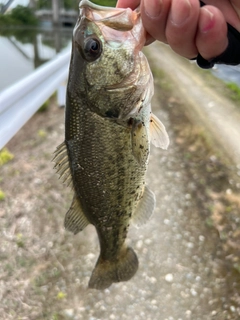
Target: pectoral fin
x: 144, y: 209
x: 62, y: 164
x: 140, y: 144
x: 75, y: 220
x: 158, y: 133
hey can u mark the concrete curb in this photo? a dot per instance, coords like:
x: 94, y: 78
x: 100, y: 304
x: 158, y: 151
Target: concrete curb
x: 218, y: 115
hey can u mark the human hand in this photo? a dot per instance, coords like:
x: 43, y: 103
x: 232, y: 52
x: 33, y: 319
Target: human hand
x: 186, y: 27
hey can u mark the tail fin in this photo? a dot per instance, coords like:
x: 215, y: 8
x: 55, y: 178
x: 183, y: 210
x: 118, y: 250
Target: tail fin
x: 121, y: 269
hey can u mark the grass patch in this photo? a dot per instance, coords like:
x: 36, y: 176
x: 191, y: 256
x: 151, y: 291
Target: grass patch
x: 61, y: 295
x: 235, y: 91
x: 44, y: 106
x: 42, y: 133
x: 5, y: 156
x: 2, y: 195
x: 19, y: 240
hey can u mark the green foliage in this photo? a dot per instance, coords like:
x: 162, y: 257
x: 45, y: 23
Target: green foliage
x: 23, y: 35
x: 107, y: 3
x: 20, y: 15
x: 5, y: 156
x: 6, y: 20
x: 24, y: 14
x: 71, y: 4
x: 44, y: 4
x: 235, y: 91
x: 67, y: 4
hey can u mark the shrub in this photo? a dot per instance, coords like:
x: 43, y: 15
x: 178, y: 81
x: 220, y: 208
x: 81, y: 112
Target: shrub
x: 19, y: 16
x: 108, y: 3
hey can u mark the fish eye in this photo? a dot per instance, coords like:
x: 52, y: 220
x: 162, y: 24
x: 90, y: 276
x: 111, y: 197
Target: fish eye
x: 92, y: 49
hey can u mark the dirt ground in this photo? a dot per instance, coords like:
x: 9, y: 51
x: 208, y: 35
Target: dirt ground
x: 44, y: 270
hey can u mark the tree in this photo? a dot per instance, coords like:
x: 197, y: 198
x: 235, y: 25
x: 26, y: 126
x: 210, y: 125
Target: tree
x: 19, y: 16
x: 108, y: 3
x: 24, y: 15
x: 44, y: 4
x: 73, y: 4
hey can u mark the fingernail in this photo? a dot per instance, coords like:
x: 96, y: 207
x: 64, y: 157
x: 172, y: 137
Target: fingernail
x: 180, y: 11
x: 206, y: 21
x: 152, y: 8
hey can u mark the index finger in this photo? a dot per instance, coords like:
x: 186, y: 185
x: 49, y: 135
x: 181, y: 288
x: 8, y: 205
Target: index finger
x: 128, y: 4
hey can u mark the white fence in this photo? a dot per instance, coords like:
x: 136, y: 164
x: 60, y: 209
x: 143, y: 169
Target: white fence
x: 20, y: 101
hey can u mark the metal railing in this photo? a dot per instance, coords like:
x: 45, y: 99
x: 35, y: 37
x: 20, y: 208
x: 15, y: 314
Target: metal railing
x: 20, y: 101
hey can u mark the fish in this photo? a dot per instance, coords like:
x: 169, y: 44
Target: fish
x: 108, y: 129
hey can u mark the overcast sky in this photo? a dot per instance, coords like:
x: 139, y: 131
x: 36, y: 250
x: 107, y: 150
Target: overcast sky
x: 16, y: 2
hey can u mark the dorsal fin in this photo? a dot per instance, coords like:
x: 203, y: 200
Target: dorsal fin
x: 144, y: 209
x: 62, y: 164
x: 159, y: 136
x: 75, y: 220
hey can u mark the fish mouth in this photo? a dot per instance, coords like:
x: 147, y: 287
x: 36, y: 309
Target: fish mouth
x: 115, y: 18
x: 117, y: 25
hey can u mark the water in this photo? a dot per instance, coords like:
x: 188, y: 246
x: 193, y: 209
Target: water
x: 227, y: 73
x: 23, y: 50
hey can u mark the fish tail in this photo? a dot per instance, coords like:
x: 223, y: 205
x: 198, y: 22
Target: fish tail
x: 120, y: 269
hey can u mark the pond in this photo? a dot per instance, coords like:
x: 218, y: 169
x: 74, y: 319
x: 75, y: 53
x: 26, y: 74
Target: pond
x: 23, y: 50
x: 228, y: 73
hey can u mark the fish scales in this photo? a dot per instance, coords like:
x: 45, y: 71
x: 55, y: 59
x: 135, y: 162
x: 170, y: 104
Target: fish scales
x: 108, y: 128
x: 106, y: 191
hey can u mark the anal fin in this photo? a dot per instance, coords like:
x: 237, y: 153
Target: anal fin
x: 144, y: 209
x: 158, y: 133
x: 75, y: 220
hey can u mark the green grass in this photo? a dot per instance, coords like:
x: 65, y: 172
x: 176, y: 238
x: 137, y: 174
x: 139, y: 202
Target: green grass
x: 5, y: 156
x: 44, y: 106
x: 42, y: 133
x: 235, y: 91
x: 2, y: 195
x: 20, y: 240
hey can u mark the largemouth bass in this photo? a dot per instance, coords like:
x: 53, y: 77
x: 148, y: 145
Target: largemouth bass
x: 108, y: 128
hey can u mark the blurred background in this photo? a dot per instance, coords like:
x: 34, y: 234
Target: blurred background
x: 189, y: 252
x: 32, y: 32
